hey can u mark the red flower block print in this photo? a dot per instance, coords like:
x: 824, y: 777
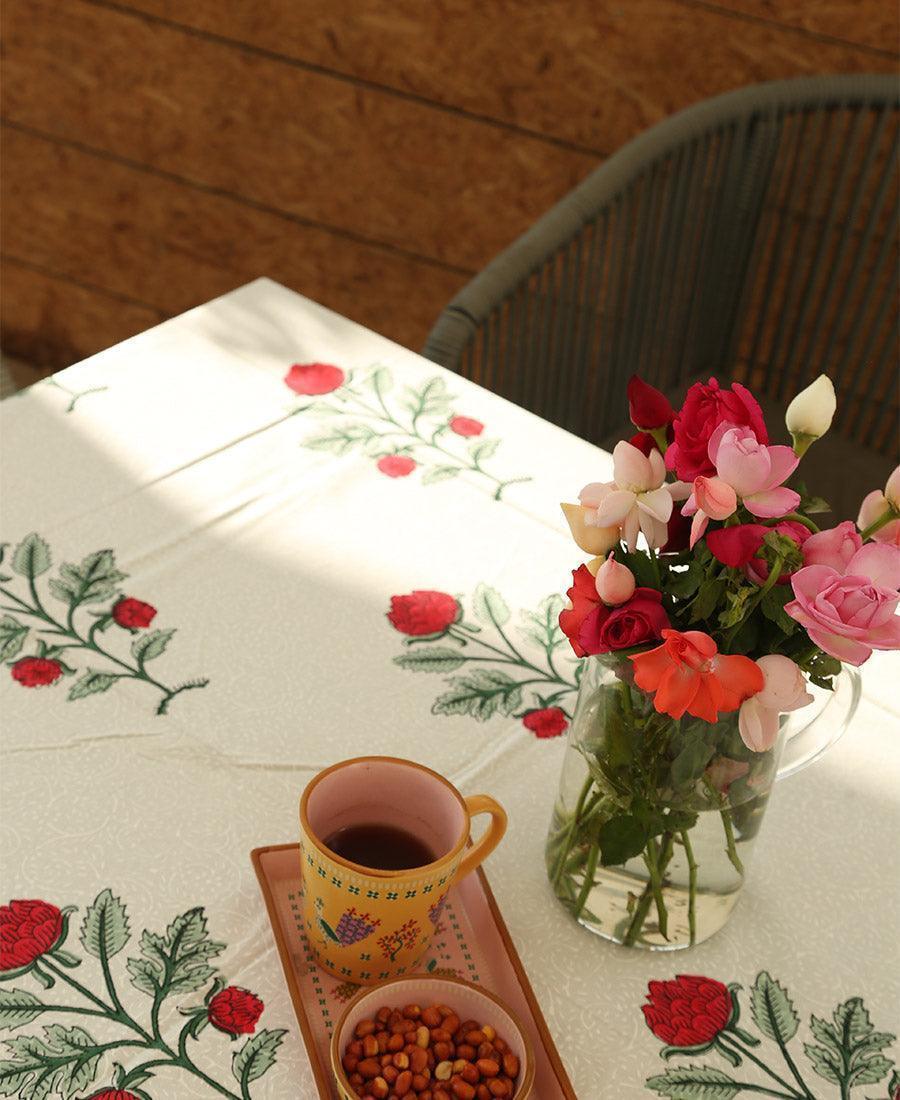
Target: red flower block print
x: 548, y: 722
x: 28, y: 929
x: 113, y: 1094
x: 314, y: 379
x: 466, y: 426
x: 687, y: 1012
x: 396, y: 465
x: 423, y: 612
x: 235, y: 1011
x: 133, y: 614
x: 32, y: 672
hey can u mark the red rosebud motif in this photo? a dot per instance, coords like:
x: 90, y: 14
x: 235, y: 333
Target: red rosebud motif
x: 396, y: 465
x: 235, y: 1011
x: 687, y: 1012
x: 113, y: 1094
x: 465, y: 425
x: 592, y: 627
x: 647, y: 406
x: 549, y: 722
x: 704, y: 409
x: 422, y: 612
x: 28, y: 929
x: 32, y: 672
x: 133, y: 614
x: 739, y: 547
x: 314, y: 379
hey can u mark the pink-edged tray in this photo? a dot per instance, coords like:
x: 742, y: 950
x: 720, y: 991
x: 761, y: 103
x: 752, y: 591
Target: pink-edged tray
x: 471, y: 942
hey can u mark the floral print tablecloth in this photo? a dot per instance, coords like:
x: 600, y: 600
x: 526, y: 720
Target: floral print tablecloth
x: 258, y: 539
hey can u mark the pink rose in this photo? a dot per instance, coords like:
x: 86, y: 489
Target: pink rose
x: 754, y: 470
x: 848, y: 615
x: 873, y: 507
x: 704, y: 409
x: 834, y: 548
x: 784, y: 689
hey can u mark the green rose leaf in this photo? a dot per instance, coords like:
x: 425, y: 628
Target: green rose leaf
x: 772, y: 607
x: 12, y: 637
x: 381, y: 379
x: 826, y: 1063
x: 439, y: 473
x: 773, y: 1011
x: 683, y: 583
x: 31, y: 557
x: 640, y: 565
x: 694, y: 1083
x: 437, y: 659
x: 697, y: 749
x: 63, y: 1062
x: 489, y: 606
x: 621, y: 838
x: 257, y: 1055
x: 18, y: 1007
x: 150, y: 645
x: 105, y: 931
x: 480, y: 694
x: 708, y: 595
x: 92, y: 683
x: 481, y: 452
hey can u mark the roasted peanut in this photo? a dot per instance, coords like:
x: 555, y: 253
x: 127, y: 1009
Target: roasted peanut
x: 443, y: 1051
x: 420, y: 1081
x: 422, y: 1036
x: 363, y: 1028
x: 485, y: 1050
x: 390, y: 1074
x: 412, y: 1012
x: 443, y: 1071
x: 470, y: 1074
x: 383, y: 1014
x: 401, y: 1060
x: 395, y: 1043
x: 431, y: 1017
x: 500, y: 1087
x: 403, y: 1083
x: 379, y: 1088
x: 450, y: 1023
x: 370, y: 1046
x: 487, y: 1067
x: 464, y: 1050
x: 510, y: 1065
x: 489, y: 1032
x: 369, y: 1068
x: 350, y: 1062
x: 500, y: 1045
x: 418, y: 1060
x: 462, y: 1090
x: 476, y: 1037
x: 482, y: 1092
x: 440, y: 1035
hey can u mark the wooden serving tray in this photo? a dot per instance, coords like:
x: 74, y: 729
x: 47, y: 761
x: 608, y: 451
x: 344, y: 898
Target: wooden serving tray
x: 471, y: 942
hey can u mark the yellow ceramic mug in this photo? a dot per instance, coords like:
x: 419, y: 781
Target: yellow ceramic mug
x: 366, y: 924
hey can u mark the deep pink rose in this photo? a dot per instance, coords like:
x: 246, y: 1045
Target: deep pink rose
x: 549, y: 722
x: 466, y: 426
x: 739, y: 547
x: 849, y: 615
x: 647, y: 406
x: 396, y: 465
x: 834, y: 548
x: 640, y: 620
x: 313, y: 379
x: 704, y: 409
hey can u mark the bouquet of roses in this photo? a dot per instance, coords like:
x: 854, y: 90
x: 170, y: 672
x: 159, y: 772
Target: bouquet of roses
x: 713, y: 597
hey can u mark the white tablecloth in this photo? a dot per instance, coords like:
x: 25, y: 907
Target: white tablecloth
x: 272, y: 543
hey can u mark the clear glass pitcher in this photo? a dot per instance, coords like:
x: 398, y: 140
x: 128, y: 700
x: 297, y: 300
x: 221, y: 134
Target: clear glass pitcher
x: 656, y: 818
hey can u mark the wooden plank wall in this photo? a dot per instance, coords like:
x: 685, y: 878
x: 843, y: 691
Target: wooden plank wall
x: 373, y: 155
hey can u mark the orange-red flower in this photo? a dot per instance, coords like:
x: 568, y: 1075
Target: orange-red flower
x: 688, y: 673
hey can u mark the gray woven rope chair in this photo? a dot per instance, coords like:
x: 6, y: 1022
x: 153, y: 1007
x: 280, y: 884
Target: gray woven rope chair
x: 753, y: 236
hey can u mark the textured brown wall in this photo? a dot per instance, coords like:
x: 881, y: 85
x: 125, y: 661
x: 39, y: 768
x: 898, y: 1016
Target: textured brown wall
x: 370, y: 154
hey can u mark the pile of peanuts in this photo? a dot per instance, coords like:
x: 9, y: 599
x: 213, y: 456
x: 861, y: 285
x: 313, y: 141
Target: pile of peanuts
x: 428, y: 1054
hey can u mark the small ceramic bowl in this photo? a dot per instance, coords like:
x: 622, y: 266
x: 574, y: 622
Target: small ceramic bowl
x: 471, y: 1002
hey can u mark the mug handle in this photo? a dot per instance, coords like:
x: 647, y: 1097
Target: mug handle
x: 482, y: 804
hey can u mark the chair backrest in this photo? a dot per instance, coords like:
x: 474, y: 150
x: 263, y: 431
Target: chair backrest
x: 753, y: 235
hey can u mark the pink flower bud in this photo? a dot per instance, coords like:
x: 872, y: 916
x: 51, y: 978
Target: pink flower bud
x: 615, y: 582
x: 715, y: 496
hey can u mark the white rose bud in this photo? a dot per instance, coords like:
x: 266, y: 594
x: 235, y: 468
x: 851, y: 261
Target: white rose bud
x: 810, y: 414
x: 615, y: 582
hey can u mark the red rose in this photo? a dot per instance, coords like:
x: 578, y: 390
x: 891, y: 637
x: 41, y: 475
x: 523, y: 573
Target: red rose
x: 133, y: 614
x: 687, y: 1012
x: 592, y: 627
x: 647, y: 407
x: 549, y: 722
x: 235, y: 1011
x: 32, y: 672
x: 465, y: 425
x: 28, y: 929
x: 739, y: 547
x: 113, y: 1094
x: 704, y: 409
x: 314, y: 379
x: 396, y: 465
x: 423, y: 612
